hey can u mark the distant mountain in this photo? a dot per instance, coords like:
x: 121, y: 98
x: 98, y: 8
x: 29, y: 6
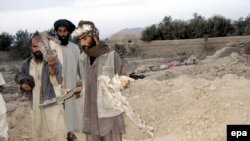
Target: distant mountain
x: 124, y: 35
x: 132, y: 30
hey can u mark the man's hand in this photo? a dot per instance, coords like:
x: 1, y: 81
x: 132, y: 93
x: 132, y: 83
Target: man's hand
x: 26, y: 86
x: 78, y: 91
x: 125, y: 81
x: 51, y: 62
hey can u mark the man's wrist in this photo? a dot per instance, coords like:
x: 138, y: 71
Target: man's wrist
x: 52, y: 69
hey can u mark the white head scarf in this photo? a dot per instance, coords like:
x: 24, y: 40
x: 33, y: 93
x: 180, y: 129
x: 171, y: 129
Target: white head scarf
x: 84, y: 29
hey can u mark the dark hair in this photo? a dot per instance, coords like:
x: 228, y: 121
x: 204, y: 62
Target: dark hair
x: 66, y: 23
x: 35, y: 35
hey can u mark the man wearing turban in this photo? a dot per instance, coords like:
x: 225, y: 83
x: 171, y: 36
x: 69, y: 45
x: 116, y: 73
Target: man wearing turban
x: 68, y: 54
x: 100, y: 121
x: 41, y: 80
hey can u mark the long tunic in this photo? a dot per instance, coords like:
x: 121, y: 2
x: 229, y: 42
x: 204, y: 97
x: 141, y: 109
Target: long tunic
x: 48, y: 123
x: 3, y: 121
x: 91, y: 123
x: 68, y: 56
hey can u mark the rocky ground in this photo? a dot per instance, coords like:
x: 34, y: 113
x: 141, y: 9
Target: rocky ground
x: 183, y: 103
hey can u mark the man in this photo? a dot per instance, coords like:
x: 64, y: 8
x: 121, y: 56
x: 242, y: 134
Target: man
x: 68, y: 54
x: 3, y: 121
x: 41, y: 80
x: 98, y: 59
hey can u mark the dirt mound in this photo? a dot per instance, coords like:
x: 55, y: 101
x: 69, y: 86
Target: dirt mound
x: 186, y: 108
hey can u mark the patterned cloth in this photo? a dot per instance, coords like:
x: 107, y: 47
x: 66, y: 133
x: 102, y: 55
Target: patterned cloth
x: 84, y: 29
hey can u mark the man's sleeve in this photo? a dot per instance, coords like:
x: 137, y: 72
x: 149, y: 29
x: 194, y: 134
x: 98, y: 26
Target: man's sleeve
x: 23, y: 77
x: 118, y: 66
x: 79, y: 75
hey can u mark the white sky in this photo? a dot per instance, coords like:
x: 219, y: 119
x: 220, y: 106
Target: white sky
x: 111, y: 16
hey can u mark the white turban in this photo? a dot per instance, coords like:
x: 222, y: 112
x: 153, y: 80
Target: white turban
x: 84, y: 29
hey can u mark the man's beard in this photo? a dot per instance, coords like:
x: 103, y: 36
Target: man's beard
x: 38, y: 56
x: 64, y: 39
x: 91, y: 44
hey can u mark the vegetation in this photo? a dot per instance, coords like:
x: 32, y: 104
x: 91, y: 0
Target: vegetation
x: 19, y: 45
x: 128, y: 50
x: 120, y: 49
x: 5, y: 41
x: 197, y: 27
x: 20, y: 48
x: 167, y: 29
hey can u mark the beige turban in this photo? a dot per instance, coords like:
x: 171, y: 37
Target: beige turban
x: 84, y: 29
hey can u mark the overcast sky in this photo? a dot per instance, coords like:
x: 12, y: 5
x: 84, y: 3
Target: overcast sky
x: 111, y: 16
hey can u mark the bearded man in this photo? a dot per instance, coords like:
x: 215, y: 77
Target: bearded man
x: 41, y: 80
x: 100, y: 121
x: 68, y: 54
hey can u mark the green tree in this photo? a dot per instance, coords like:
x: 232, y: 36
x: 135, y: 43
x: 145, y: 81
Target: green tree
x: 165, y: 28
x: 196, y: 27
x: 239, y: 27
x: 150, y: 33
x: 247, y: 25
x: 167, y: 20
x: 178, y: 29
x: 5, y: 41
x: 219, y: 26
x: 21, y: 48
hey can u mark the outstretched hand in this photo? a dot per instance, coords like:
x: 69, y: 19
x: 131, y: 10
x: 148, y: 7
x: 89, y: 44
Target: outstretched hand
x: 125, y: 81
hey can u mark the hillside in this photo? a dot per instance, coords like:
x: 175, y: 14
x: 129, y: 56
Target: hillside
x: 127, y: 34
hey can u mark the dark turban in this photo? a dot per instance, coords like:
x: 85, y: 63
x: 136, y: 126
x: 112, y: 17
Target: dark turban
x: 66, y: 23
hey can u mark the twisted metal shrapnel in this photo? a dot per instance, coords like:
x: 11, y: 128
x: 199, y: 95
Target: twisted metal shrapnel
x: 44, y: 45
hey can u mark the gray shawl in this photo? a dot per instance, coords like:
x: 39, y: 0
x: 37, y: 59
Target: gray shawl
x: 47, y: 90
